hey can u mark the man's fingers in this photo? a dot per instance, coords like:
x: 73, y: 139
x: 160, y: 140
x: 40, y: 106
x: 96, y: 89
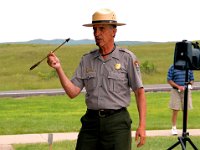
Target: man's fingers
x: 51, y: 59
x: 141, y: 141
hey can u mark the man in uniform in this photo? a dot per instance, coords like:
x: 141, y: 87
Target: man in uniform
x: 107, y: 74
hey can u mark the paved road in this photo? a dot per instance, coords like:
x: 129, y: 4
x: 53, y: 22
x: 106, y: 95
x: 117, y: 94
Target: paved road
x: 23, y: 93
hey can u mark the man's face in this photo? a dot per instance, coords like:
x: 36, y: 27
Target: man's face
x: 103, y: 34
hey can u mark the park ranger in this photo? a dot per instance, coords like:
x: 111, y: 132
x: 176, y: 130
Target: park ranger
x: 107, y: 73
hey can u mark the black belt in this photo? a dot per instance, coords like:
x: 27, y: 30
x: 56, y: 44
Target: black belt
x: 103, y: 113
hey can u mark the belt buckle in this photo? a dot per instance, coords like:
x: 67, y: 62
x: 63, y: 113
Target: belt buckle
x: 100, y: 113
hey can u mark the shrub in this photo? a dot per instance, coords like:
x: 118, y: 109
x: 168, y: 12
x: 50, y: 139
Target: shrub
x: 47, y: 76
x: 148, y: 67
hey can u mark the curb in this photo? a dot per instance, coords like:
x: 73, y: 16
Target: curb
x: 43, y: 138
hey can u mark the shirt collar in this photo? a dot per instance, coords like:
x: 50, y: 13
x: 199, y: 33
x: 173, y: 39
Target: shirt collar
x: 114, y: 54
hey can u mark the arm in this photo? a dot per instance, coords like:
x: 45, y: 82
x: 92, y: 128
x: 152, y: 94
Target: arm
x: 173, y: 84
x: 70, y: 89
x: 141, y: 105
x: 191, y: 82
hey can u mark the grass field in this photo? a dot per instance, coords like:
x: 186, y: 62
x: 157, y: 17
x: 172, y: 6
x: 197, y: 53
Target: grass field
x: 16, y: 59
x: 50, y: 114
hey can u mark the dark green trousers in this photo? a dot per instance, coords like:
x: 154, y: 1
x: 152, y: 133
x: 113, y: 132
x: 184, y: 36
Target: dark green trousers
x: 109, y: 133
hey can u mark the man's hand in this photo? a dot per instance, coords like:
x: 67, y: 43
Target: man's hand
x: 53, y: 61
x: 140, y: 137
x: 181, y: 88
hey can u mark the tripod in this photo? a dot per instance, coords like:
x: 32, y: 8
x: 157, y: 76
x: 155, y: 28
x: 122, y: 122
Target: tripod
x: 184, y: 138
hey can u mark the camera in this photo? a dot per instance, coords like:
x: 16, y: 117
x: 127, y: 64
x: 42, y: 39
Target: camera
x: 187, y: 55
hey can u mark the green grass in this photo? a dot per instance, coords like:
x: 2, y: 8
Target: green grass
x: 49, y: 114
x: 16, y: 59
x: 152, y: 143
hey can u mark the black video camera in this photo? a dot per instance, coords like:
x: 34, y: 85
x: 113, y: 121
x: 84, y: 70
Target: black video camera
x: 187, y: 56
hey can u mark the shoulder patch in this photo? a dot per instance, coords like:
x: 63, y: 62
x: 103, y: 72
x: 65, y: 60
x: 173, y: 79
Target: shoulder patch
x: 136, y: 63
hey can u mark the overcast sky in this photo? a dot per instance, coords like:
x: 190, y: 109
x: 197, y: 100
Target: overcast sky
x: 147, y: 20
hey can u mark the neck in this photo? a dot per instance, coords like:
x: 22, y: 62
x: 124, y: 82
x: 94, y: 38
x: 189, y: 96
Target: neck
x: 107, y: 51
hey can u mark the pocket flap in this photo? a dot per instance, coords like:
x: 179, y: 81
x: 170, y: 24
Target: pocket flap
x: 89, y: 75
x: 116, y: 76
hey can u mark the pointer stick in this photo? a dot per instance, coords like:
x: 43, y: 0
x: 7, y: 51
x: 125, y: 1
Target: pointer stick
x: 35, y: 65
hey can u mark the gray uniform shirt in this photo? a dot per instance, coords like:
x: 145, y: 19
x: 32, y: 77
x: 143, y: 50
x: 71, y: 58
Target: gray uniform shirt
x: 108, y: 82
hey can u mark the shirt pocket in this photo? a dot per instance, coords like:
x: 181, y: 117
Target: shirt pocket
x: 90, y: 81
x: 117, y: 81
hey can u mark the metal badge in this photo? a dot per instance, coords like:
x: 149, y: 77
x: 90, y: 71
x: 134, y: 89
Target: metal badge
x: 117, y: 66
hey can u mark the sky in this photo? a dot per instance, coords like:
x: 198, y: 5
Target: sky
x: 146, y: 20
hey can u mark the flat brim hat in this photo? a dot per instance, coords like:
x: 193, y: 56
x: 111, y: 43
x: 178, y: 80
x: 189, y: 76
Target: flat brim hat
x: 104, y: 16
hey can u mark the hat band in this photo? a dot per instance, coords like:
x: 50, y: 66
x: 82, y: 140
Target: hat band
x: 104, y: 21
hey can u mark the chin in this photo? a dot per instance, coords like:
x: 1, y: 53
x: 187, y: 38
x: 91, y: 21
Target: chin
x: 97, y: 43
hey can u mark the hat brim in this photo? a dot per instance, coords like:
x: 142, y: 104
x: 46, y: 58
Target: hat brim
x: 92, y: 24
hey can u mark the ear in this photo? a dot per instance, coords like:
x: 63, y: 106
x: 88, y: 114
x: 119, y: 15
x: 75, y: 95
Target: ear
x: 114, y: 31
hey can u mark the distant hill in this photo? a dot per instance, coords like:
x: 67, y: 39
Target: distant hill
x: 134, y: 42
x: 79, y: 42
x: 59, y: 41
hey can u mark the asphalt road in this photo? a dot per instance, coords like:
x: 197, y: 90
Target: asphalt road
x: 24, y: 93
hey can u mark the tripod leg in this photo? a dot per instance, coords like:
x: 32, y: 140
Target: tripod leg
x: 192, y: 144
x: 183, y: 143
x: 173, y: 146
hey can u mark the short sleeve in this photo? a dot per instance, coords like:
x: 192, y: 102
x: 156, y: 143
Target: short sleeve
x: 170, y: 73
x: 77, y: 77
x: 134, y: 75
